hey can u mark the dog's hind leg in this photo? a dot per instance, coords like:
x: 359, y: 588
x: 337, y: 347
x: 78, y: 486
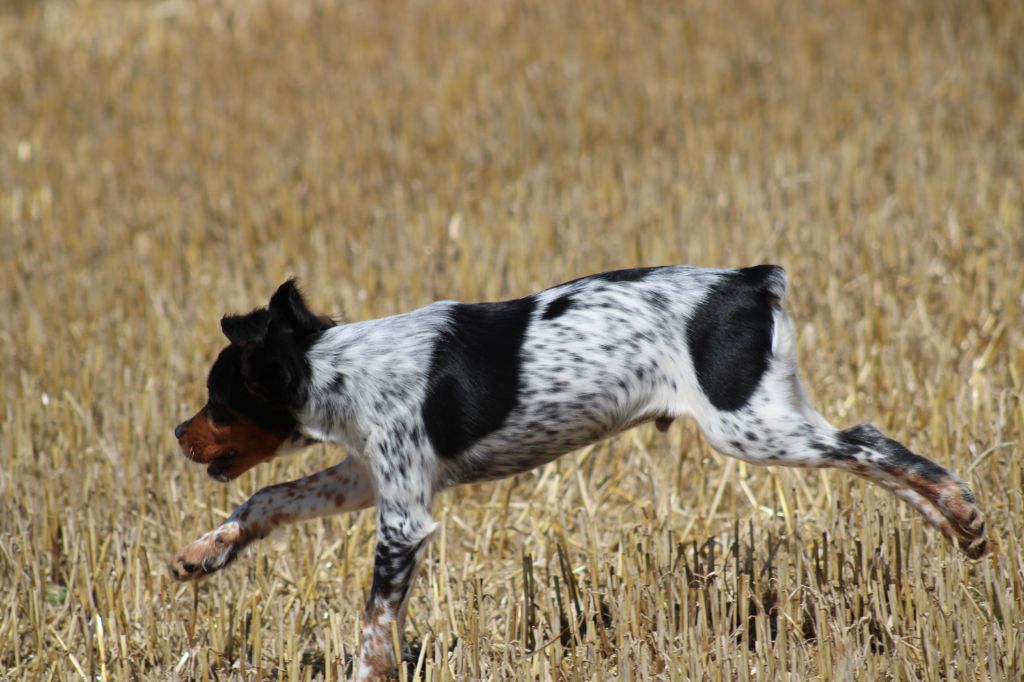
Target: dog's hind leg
x: 778, y: 426
x: 942, y: 498
x: 344, y: 487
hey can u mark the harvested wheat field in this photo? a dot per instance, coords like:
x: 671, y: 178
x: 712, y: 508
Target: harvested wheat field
x: 164, y: 163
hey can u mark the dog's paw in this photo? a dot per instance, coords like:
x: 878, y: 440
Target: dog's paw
x: 210, y: 553
x: 970, y: 527
x: 967, y: 523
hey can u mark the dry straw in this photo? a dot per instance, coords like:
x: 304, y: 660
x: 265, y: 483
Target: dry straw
x: 162, y: 163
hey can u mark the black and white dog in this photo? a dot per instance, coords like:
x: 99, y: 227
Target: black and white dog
x: 456, y: 393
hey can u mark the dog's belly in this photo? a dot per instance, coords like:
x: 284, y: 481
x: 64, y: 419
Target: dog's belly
x: 528, y: 441
x: 493, y: 459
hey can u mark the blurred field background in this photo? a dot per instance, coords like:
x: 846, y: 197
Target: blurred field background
x: 162, y: 163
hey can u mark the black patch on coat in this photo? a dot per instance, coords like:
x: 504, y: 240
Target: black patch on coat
x: 557, y: 307
x: 895, y: 453
x: 474, y: 378
x: 730, y: 335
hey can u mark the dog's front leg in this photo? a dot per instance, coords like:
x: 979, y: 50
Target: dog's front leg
x: 402, y: 537
x: 404, y: 492
x: 345, y: 487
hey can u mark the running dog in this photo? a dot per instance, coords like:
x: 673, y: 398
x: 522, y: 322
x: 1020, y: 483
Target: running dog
x: 458, y: 393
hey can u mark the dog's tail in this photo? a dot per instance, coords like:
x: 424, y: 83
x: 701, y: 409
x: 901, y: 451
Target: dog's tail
x: 771, y: 281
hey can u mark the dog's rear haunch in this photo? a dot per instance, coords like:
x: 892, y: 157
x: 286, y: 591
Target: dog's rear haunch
x: 455, y: 393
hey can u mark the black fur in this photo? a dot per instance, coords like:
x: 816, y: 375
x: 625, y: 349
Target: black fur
x: 473, y: 382
x: 289, y: 310
x: 268, y: 350
x: 627, y: 275
x: 730, y: 337
x: 228, y: 392
x: 896, y: 454
x: 242, y: 330
x: 557, y: 307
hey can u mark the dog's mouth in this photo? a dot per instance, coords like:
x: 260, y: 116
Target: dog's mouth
x: 220, y: 468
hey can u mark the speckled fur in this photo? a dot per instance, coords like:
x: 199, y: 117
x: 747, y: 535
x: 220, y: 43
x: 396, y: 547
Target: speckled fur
x: 589, y: 359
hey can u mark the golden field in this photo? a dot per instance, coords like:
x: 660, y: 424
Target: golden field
x: 162, y: 163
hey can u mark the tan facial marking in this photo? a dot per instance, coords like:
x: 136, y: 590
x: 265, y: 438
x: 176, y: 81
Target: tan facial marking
x: 204, y: 441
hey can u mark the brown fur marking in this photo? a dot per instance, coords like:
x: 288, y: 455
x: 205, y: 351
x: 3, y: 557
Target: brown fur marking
x: 966, y: 523
x: 203, y: 441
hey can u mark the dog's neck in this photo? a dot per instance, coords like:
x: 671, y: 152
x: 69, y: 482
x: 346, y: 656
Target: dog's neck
x: 366, y: 375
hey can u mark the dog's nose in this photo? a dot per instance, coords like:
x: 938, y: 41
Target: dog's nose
x: 179, y: 430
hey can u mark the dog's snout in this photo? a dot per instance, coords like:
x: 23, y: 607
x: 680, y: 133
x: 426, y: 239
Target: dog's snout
x: 179, y: 430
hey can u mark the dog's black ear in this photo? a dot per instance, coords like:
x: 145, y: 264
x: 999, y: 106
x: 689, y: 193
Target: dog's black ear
x: 287, y: 307
x: 243, y: 330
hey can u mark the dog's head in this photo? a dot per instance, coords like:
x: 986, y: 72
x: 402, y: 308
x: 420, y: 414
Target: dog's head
x: 255, y: 387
